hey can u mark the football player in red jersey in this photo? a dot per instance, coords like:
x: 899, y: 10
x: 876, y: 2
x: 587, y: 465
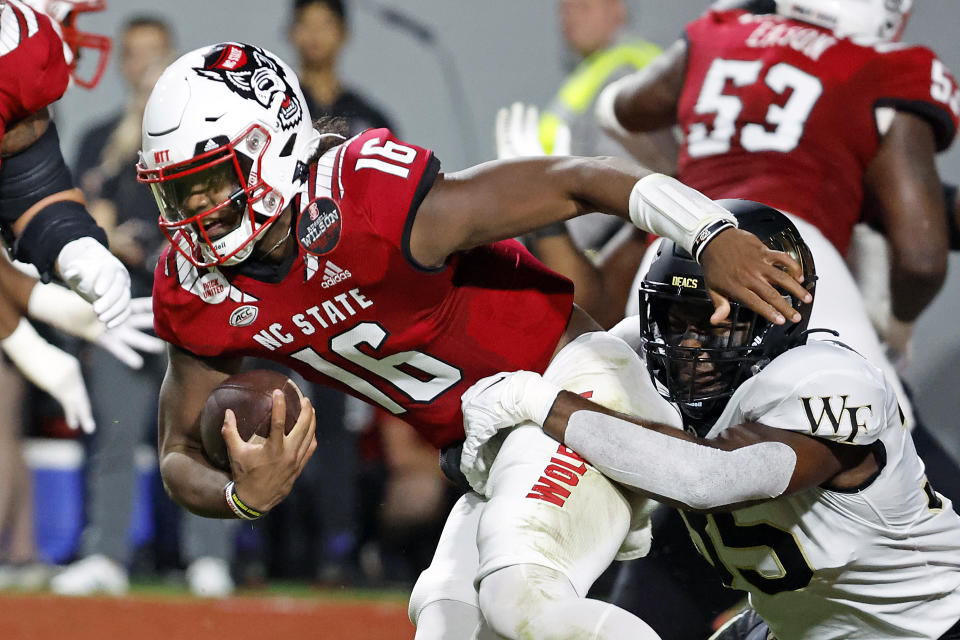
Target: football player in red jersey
x: 812, y: 108
x: 361, y: 265
x: 41, y: 213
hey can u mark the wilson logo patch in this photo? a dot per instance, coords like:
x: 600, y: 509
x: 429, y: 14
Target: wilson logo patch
x: 319, y: 226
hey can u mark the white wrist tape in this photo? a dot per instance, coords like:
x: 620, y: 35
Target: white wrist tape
x: 39, y: 361
x: 667, y: 207
x: 604, y: 109
x: 695, y: 475
x: 62, y: 308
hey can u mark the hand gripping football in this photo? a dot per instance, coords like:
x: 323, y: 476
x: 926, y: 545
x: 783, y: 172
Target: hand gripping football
x: 249, y: 396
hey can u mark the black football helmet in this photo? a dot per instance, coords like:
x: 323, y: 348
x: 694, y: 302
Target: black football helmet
x: 698, y: 365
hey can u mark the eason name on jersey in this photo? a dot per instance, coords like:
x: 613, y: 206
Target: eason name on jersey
x: 332, y: 274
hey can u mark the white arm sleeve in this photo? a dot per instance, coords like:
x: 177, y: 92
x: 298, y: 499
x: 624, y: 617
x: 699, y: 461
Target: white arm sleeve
x: 669, y: 208
x: 697, y: 476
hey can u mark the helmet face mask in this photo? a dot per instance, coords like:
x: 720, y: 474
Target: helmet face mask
x: 210, y: 198
x: 226, y: 136
x: 78, y: 44
x: 874, y: 20
x: 693, y: 363
x: 699, y: 365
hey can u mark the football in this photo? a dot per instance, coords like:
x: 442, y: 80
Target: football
x: 250, y: 396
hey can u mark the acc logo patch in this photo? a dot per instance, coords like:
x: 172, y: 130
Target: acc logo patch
x: 243, y: 316
x: 319, y: 226
x: 214, y: 287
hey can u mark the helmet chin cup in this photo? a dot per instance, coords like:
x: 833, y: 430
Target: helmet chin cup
x: 231, y: 243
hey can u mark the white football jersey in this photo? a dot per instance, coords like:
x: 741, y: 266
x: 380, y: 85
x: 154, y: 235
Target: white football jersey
x: 881, y: 561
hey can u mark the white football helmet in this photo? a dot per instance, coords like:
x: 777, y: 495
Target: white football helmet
x: 878, y: 20
x: 226, y: 135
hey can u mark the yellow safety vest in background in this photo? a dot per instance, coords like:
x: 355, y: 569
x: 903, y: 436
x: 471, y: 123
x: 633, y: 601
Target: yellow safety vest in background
x: 573, y: 104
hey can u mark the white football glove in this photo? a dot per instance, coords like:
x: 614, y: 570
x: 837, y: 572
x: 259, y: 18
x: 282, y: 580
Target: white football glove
x: 99, y: 276
x: 898, y: 343
x: 498, y: 402
x: 518, y: 133
x: 52, y: 370
x: 66, y: 310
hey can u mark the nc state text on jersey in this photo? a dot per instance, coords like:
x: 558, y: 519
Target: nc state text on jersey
x: 329, y: 312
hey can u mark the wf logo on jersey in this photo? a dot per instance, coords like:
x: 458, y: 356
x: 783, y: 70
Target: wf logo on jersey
x: 318, y: 229
x: 253, y: 74
x: 836, y: 419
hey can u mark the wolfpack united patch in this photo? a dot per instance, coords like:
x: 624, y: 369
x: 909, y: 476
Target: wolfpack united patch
x: 253, y: 74
x: 318, y: 229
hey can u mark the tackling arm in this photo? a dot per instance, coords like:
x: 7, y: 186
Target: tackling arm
x: 747, y: 463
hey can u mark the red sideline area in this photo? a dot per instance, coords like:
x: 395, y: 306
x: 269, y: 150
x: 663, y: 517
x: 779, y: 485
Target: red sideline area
x: 47, y: 617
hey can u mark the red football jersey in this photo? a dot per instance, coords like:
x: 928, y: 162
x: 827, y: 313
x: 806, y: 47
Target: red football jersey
x: 33, y: 72
x: 783, y: 112
x: 355, y: 312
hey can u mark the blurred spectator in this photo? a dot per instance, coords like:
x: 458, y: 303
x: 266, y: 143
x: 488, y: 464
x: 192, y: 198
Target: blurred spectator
x: 319, y: 30
x: 596, y: 251
x: 124, y: 401
x: 600, y: 37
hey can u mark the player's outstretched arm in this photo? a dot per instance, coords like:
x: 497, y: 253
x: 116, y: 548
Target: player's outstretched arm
x: 506, y: 199
x: 749, y: 463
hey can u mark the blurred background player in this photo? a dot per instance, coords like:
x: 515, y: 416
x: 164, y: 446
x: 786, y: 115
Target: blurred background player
x: 796, y: 477
x: 41, y: 214
x: 872, y: 158
x: 124, y: 401
x: 59, y: 374
x: 43, y: 221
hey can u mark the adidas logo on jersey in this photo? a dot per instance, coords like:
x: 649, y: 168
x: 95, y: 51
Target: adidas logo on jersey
x: 332, y: 275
